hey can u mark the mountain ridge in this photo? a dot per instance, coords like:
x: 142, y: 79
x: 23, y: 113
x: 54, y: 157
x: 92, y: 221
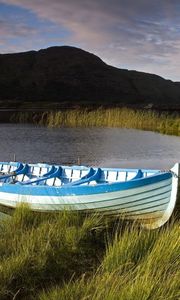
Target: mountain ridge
x: 71, y: 76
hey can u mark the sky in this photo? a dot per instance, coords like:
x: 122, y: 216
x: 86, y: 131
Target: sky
x: 142, y: 35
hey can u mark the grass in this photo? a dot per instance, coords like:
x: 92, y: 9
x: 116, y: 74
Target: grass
x: 72, y: 256
x: 136, y: 265
x: 38, y: 250
x: 126, y: 118
x: 114, y: 117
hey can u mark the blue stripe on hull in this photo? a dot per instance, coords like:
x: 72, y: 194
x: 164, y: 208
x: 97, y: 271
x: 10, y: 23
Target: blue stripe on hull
x: 126, y: 198
x: 139, y: 204
x: 82, y: 190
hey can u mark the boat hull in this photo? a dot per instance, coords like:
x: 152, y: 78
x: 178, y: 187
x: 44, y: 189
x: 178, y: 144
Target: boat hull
x: 149, y: 201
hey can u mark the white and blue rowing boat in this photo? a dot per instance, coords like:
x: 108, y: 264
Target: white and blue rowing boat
x: 147, y: 196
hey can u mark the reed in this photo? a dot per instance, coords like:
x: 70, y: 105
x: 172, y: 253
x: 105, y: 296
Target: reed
x: 73, y: 256
x: 114, y: 117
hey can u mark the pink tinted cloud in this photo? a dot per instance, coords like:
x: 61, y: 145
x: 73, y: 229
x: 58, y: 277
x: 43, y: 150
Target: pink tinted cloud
x: 10, y: 30
x: 85, y: 23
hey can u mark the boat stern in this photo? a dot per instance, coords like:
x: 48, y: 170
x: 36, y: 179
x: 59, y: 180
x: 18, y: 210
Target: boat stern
x: 172, y: 202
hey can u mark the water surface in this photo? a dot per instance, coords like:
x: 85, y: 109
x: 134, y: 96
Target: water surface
x: 110, y: 147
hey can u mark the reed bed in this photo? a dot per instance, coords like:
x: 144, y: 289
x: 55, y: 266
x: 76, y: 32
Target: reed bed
x: 73, y: 256
x: 113, y: 117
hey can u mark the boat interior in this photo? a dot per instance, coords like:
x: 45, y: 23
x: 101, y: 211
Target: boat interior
x: 55, y: 175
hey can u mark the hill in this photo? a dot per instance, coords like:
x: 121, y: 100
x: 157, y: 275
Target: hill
x: 71, y: 77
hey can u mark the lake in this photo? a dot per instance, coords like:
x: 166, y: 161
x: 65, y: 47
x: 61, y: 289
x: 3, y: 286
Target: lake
x: 110, y: 147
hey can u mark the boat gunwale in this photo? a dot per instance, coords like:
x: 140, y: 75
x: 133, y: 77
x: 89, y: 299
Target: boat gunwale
x: 81, y: 167
x: 83, y: 189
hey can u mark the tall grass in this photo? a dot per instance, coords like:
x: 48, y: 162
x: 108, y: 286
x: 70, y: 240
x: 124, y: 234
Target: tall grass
x: 73, y: 256
x: 112, y: 117
x: 39, y: 250
x: 115, y: 117
x: 137, y: 265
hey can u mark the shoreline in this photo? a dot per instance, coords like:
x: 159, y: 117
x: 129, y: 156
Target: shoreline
x: 151, y: 120
x: 165, y: 122
x: 7, y: 113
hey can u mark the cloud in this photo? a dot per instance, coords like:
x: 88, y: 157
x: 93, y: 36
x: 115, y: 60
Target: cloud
x: 93, y: 21
x: 13, y: 35
x: 138, y: 34
x: 10, y: 30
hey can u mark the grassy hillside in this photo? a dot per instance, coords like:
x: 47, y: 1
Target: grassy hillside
x: 70, y: 76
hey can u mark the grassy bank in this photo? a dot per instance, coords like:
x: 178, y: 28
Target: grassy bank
x: 115, y: 117
x: 70, y: 256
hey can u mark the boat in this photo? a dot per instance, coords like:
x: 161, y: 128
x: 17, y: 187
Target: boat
x: 146, y: 196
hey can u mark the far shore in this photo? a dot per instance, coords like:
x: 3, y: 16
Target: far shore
x: 160, y: 121
x: 8, y: 114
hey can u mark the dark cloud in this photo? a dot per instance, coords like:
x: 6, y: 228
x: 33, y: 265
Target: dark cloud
x: 136, y: 34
